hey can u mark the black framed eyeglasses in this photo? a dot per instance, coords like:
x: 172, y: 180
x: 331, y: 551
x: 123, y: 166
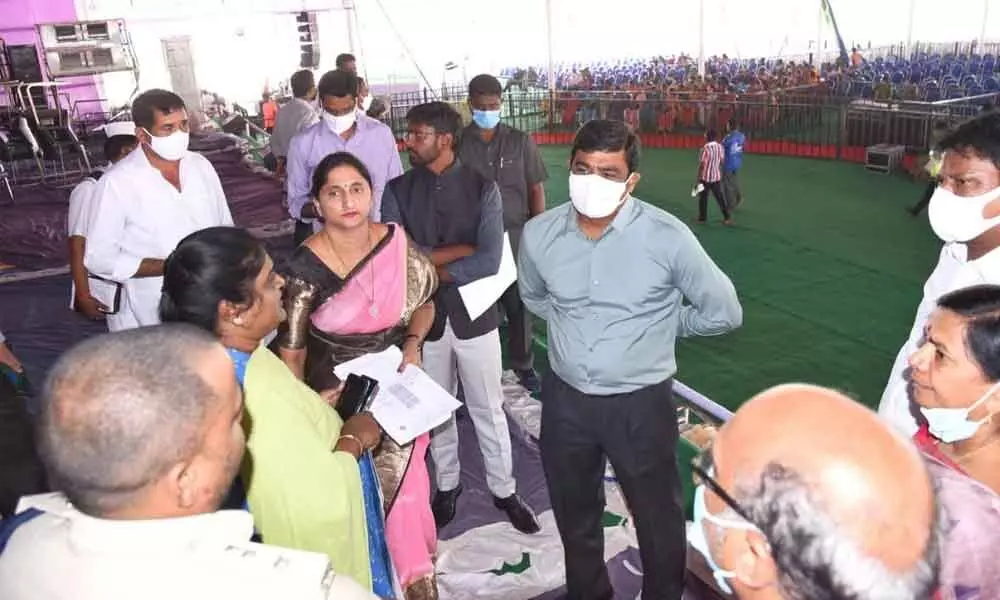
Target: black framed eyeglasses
x: 700, y: 468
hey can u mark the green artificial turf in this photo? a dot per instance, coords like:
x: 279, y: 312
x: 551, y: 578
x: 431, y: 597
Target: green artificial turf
x: 827, y: 263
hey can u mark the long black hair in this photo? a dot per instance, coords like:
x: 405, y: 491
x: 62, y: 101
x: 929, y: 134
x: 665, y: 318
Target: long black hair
x: 331, y: 162
x: 207, y: 267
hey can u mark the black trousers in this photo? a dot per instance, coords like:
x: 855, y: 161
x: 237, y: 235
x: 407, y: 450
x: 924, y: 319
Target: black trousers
x: 716, y: 188
x: 520, y: 348
x: 520, y: 343
x: 302, y: 232
x: 925, y: 199
x: 637, y: 432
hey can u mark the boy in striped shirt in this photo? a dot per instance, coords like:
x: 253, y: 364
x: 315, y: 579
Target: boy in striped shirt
x: 710, y: 177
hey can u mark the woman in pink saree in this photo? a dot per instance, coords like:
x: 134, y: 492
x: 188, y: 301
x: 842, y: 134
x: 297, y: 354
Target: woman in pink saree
x: 353, y: 288
x: 955, y: 382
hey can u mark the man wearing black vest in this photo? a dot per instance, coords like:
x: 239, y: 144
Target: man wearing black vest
x: 455, y: 215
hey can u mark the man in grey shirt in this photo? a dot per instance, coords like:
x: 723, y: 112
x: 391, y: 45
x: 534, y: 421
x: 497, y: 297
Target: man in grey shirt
x: 296, y: 115
x: 509, y: 157
x: 617, y: 280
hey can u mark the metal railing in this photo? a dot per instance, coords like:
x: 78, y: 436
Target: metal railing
x: 807, y: 121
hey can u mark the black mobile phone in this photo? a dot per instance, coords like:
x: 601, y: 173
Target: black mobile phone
x: 359, y: 391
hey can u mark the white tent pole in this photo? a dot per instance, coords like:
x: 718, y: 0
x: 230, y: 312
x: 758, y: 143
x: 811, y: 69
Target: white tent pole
x: 982, y: 32
x: 909, y: 29
x: 349, y: 14
x: 701, y: 38
x: 551, y: 67
x: 354, y: 34
x: 818, y: 55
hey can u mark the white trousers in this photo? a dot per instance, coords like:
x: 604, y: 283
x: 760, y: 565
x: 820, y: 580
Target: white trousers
x: 478, y: 364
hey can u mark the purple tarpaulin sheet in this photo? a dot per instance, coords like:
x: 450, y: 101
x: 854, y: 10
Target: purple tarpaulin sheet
x: 33, y: 228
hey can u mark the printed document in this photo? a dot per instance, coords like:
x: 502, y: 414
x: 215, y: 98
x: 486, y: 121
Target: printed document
x: 408, y: 403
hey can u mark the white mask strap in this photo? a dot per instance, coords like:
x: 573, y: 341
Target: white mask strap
x: 983, y: 398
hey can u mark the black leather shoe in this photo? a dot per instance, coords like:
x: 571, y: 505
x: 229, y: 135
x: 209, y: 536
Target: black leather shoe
x: 443, y: 506
x: 520, y: 514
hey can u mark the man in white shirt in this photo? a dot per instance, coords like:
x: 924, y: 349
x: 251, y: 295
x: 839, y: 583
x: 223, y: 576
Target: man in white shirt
x: 301, y: 112
x: 141, y: 430
x: 121, y: 141
x: 965, y: 213
x: 152, y: 199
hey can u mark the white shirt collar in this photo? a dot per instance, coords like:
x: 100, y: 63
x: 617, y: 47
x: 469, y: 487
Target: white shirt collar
x: 86, y: 532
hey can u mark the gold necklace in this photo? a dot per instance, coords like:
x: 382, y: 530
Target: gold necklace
x: 966, y: 456
x: 372, y: 308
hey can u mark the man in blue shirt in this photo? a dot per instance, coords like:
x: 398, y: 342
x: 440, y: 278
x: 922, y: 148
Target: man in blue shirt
x: 733, y: 145
x: 617, y: 280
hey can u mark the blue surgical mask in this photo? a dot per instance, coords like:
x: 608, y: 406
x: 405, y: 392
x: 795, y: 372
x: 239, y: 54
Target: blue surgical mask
x: 952, y: 425
x: 486, y: 119
x: 699, y: 541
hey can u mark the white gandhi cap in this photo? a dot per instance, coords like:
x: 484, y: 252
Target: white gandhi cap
x: 119, y: 128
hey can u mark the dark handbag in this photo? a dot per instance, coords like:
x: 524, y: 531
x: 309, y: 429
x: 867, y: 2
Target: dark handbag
x: 359, y: 391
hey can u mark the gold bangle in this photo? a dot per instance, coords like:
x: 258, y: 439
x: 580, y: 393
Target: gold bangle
x: 347, y: 436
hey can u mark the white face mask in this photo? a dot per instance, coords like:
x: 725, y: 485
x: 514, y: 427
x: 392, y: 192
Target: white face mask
x: 366, y: 103
x: 952, y: 425
x: 698, y: 540
x: 594, y: 196
x: 342, y: 123
x: 960, y: 219
x: 171, y: 147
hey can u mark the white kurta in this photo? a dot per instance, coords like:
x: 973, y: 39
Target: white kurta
x: 953, y: 272
x: 80, y: 204
x: 64, y: 554
x: 138, y: 214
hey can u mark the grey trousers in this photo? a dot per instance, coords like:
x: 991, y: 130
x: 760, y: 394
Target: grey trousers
x: 731, y: 188
x: 477, y: 362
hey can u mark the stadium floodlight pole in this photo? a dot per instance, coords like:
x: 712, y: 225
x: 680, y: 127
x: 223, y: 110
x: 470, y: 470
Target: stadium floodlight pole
x: 701, y: 38
x: 548, y: 38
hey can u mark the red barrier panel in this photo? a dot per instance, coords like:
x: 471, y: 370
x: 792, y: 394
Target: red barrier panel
x: 854, y: 154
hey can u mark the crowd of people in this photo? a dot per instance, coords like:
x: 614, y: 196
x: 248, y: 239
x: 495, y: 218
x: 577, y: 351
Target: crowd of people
x: 201, y: 435
x: 675, y: 73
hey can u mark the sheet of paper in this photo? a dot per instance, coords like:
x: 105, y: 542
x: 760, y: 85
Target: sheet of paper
x: 483, y: 293
x: 412, y: 405
x: 408, y: 403
x: 381, y: 366
x: 104, y: 292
